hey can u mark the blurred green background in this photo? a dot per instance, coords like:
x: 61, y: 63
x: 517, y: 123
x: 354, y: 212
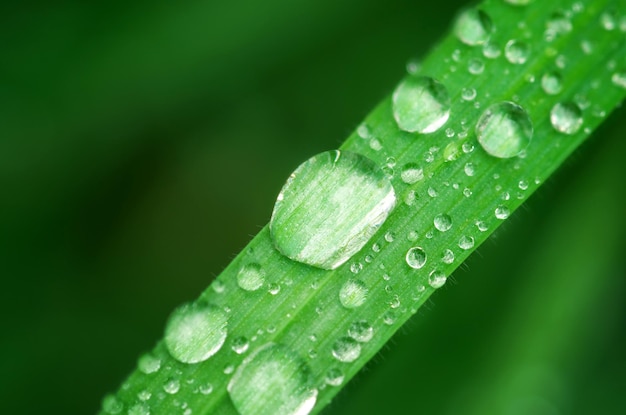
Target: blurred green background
x: 143, y: 143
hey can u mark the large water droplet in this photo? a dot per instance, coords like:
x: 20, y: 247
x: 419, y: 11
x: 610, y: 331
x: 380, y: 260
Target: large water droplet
x: 504, y: 130
x: 195, y: 332
x: 437, y: 279
x: 502, y: 212
x: 473, y: 27
x: 361, y: 331
x: 421, y: 104
x: 330, y: 207
x: 273, y: 380
x: 566, y: 118
x: 551, y: 83
x: 516, y: 52
x: 251, y: 277
x: 353, y: 294
x: 443, y: 222
x: 416, y: 257
x: 346, y: 349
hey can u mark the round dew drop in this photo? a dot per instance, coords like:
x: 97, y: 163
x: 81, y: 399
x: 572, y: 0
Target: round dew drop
x: 353, y: 294
x: 502, y: 212
x: 416, y: 257
x: 250, y: 277
x: 334, y: 377
x: 466, y: 242
x: 437, y: 279
x: 421, y: 104
x: 566, y: 118
x: 346, y: 349
x: 551, y: 83
x: 504, y: 130
x: 330, y: 207
x: 195, y: 332
x: 361, y: 331
x: 443, y: 222
x: 516, y: 52
x: 411, y: 173
x: 473, y: 27
x: 273, y: 380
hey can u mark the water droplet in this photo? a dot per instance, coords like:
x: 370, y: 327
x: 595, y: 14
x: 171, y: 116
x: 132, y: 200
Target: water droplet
x: 375, y: 144
x: 389, y: 237
x: 240, y: 345
x: 195, y: 332
x: 482, y: 226
x: 619, y: 79
x: 516, y: 52
x: 330, y: 207
x: 607, y: 20
x: 346, y: 349
x: 551, y: 83
x: 149, y: 364
x: 273, y: 288
x: 421, y: 104
x: 476, y: 66
x: 353, y: 293
x: 469, y: 169
x: 416, y: 257
x: 112, y: 405
x: 442, y: 222
x: 473, y: 27
x: 451, y: 152
x: 466, y: 242
x: 171, y: 386
x: 251, y: 277
x: 557, y: 24
x: 139, y: 409
x: 491, y: 50
x: 361, y: 331
x: 411, y: 173
x: 468, y: 94
x: 502, y: 212
x: 432, y: 192
x: 334, y: 377
x: 587, y: 47
x: 437, y: 279
x: 273, y: 380
x: 504, y: 130
x: 206, y: 389
x: 447, y: 257
x: 389, y: 318
x: 566, y: 118
x: 356, y: 268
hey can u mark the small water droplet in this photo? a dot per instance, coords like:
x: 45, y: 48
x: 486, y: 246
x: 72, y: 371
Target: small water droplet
x: 421, y: 104
x: 206, y: 389
x: 473, y: 27
x: 587, y: 47
x: 240, y: 345
x: 389, y: 318
x: 375, y: 144
x: 491, y: 50
x: 482, y: 226
x: 432, y: 192
x: 469, y: 169
x: 502, y: 212
x: 516, y: 52
x: 273, y: 288
x: 557, y: 24
x: 273, y: 380
x: 518, y: 2
x: 504, y: 129
x: 250, y: 277
x: 139, y: 409
x: 353, y: 293
x: 608, y: 21
x: 149, y: 364
x: 442, y: 222
x: 468, y: 94
x: 447, y: 257
x: 437, y: 279
x: 112, y: 405
x: 346, y: 349
x: 171, y: 386
x: 416, y: 257
x: 411, y: 173
x: 619, y: 79
x: 566, y: 118
x: 334, y: 377
x: 356, y: 267
x: 476, y: 66
x: 466, y: 242
x: 551, y: 83
x: 195, y: 332
x: 389, y: 237
x: 330, y: 207
x: 361, y: 331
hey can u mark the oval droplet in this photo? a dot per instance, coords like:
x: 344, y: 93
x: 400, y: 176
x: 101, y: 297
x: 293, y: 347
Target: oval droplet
x: 416, y: 257
x: 437, y: 279
x: 473, y: 27
x: 566, y: 118
x: 330, y: 207
x: 551, y: 83
x: 361, y: 331
x: 195, y: 332
x: 502, y: 212
x: 273, y: 380
x: 504, y: 130
x: 250, y: 277
x: 443, y: 222
x: 466, y: 242
x: 353, y: 293
x: 346, y: 349
x: 421, y: 104
x: 516, y: 52
x: 411, y: 173
x: 334, y: 377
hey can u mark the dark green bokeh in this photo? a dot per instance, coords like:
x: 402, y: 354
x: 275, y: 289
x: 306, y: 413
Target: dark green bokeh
x: 143, y: 144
